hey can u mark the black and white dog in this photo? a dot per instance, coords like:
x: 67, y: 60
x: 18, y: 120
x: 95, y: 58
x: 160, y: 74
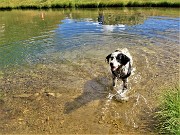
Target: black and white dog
x: 121, y: 66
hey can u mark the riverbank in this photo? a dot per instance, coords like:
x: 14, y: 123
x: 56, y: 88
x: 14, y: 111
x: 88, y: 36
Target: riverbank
x: 168, y: 115
x: 46, y: 4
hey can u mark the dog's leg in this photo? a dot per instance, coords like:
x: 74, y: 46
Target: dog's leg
x: 122, y: 95
x: 125, y: 81
x: 114, y: 80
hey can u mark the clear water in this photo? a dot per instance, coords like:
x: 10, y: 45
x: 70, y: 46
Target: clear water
x: 26, y: 37
x: 54, y: 78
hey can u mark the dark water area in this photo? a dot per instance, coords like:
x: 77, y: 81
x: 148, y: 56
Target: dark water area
x: 54, y: 78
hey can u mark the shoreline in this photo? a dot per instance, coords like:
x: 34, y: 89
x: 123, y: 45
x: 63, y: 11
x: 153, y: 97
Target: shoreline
x: 92, y: 5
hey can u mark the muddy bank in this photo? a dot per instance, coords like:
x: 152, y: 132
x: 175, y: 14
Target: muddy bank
x: 70, y: 94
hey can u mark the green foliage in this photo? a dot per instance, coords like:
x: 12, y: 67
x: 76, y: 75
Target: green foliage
x: 169, y: 114
x: 44, y: 4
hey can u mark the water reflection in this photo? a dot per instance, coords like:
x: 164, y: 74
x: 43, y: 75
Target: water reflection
x: 109, y: 27
x: 27, y: 36
x: 64, y: 85
x: 121, y: 18
x: 160, y: 27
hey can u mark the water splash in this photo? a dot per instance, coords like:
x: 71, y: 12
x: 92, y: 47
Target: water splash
x: 136, y: 108
x: 130, y: 114
x: 105, y: 108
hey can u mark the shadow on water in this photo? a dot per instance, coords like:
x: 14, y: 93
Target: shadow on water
x: 94, y: 89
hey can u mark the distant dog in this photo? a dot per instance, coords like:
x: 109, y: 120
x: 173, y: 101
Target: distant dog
x: 120, y: 62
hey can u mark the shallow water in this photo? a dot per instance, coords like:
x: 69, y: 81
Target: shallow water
x: 53, y: 75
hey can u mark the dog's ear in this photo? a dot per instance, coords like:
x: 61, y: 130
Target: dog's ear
x: 123, y: 58
x: 107, y: 58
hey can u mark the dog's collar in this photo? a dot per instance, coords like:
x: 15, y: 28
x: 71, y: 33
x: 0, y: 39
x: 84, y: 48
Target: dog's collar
x: 118, y: 73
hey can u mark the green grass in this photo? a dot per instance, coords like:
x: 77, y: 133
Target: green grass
x: 168, y: 116
x: 38, y: 4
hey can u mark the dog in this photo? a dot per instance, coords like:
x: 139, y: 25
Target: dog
x: 120, y: 63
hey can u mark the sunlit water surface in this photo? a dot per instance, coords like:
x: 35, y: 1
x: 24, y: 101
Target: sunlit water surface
x: 54, y: 78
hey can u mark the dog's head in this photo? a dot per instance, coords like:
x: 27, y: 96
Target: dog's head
x: 117, y: 59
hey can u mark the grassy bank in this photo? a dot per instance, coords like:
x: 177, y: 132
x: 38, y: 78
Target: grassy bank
x: 168, y: 115
x: 38, y: 4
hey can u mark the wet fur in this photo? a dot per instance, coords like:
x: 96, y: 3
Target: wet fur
x: 120, y: 62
